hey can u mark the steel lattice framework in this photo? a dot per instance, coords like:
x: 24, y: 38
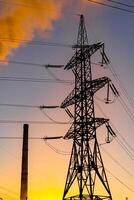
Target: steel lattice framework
x: 86, y: 165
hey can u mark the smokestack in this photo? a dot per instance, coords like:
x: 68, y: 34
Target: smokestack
x: 24, y: 168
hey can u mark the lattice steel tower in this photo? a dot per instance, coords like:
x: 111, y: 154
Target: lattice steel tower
x: 86, y: 171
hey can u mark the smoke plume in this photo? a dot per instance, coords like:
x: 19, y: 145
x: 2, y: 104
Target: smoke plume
x: 22, y: 19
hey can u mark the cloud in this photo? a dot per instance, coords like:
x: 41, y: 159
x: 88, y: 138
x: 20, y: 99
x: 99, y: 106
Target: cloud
x: 22, y: 19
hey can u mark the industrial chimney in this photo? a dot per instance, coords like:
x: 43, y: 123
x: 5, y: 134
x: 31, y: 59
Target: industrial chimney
x: 24, y: 168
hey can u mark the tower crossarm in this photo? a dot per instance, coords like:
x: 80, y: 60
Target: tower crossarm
x: 72, y: 130
x: 100, y: 121
x: 97, y: 84
x: 70, y: 100
x: 70, y: 133
x: 87, y: 51
x: 91, y: 87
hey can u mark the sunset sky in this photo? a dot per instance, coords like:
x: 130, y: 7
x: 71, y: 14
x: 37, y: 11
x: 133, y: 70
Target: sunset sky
x: 56, y: 22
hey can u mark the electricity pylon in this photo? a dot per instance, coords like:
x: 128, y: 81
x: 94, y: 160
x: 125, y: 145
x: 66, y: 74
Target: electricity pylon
x: 86, y: 167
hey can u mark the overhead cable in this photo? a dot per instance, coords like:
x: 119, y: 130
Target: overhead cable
x: 117, y: 162
x: 6, y: 121
x: 120, y: 181
x: 9, y: 196
x: 22, y: 63
x: 56, y: 150
x: 19, y: 138
x: 111, y: 6
x: 35, y: 80
x: 121, y: 136
x: 35, y: 64
x: 28, y: 106
x: 53, y: 120
x: 119, y: 82
x: 126, y: 109
x: 120, y: 3
x: 123, y: 146
x: 10, y: 191
x: 131, y: 156
x: 35, y: 42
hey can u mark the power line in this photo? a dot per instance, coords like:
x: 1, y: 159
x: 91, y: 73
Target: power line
x: 10, y: 191
x: 123, y: 146
x: 117, y: 162
x: 36, y: 42
x: 124, y: 90
x: 123, y: 139
x: 120, y: 166
x: 22, y: 63
x: 120, y: 181
x: 31, y: 138
x: 119, y: 3
x: 111, y: 6
x: 52, y: 74
x: 114, y: 127
x: 31, y: 122
x: 46, y: 66
x: 52, y: 120
x: 127, y: 109
x: 40, y: 7
x: 119, y: 82
x: 9, y: 152
x: 56, y: 150
x: 35, y: 80
x: 33, y: 64
x: 131, y: 156
x: 56, y: 79
x: 28, y: 106
x: 20, y: 106
x: 123, y: 103
x: 101, y: 110
x: 19, y: 138
x: 9, y: 196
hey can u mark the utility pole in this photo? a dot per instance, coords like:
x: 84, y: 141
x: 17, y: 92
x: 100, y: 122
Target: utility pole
x: 86, y: 177
x: 24, y: 169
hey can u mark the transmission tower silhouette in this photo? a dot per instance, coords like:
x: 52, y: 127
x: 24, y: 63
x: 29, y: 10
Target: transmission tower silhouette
x: 86, y: 175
